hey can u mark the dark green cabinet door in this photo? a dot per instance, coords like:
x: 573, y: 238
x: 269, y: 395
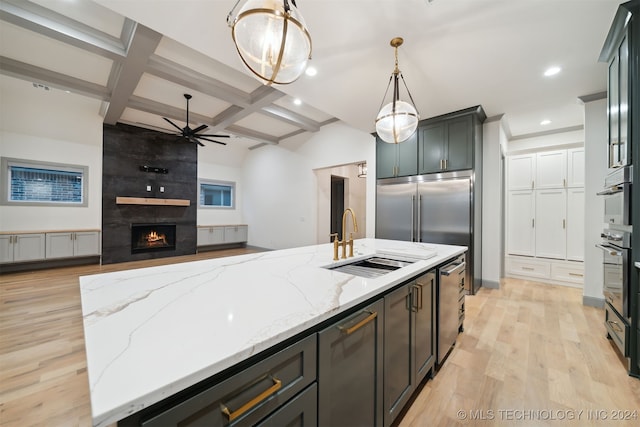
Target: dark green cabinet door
x: 459, y: 144
x: 350, y: 370
x: 424, y: 331
x: 431, y: 152
x: 398, y: 370
x: 397, y: 159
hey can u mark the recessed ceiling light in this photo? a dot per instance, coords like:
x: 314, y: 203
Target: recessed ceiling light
x: 297, y: 101
x: 545, y: 122
x: 552, y: 71
x: 311, y: 71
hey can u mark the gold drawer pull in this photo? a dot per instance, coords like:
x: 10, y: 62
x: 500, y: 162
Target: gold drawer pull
x: 576, y: 274
x: 277, y: 385
x: 360, y: 324
x: 528, y: 268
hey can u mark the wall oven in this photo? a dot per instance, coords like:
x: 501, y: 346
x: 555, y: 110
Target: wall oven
x: 616, y: 246
x: 617, y: 196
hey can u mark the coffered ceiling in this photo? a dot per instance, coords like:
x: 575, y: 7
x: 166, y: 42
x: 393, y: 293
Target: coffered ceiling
x: 138, y: 58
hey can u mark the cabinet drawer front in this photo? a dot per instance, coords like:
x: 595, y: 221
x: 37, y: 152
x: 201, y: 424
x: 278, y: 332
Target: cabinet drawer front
x: 531, y: 268
x: 568, y: 273
x: 249, y: 396
x: 301, y: 411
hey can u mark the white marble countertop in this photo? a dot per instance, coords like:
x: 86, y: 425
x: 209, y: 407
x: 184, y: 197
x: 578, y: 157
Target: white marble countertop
x: 637, y: 264
x: 154, y: 331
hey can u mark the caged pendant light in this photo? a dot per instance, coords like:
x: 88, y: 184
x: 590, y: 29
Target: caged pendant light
x: 271, y: 38
x: 397, y: 120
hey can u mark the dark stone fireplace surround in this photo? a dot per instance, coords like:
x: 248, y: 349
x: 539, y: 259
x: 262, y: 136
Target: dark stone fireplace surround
x: 172, y: 164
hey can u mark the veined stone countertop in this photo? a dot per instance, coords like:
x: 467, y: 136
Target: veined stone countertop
x: 152, y: 332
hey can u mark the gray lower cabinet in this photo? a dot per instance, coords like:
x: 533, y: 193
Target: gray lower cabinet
x: 350, y: 370
x: 301, y: 411
x: 408, y: 342
x: 248, y: 398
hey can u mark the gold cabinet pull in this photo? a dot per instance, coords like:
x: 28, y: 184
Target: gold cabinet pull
x: 277, y: 385
x: 360, y: 324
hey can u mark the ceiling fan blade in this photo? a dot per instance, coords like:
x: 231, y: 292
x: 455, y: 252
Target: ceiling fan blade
x: 211, y: 140
x: 199, y: 128
x: 173, y: 124
x: 215, y: 136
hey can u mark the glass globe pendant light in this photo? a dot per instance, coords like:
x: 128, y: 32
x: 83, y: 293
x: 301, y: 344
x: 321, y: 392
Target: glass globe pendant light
x: 397, y: 120
x: 272, y: 39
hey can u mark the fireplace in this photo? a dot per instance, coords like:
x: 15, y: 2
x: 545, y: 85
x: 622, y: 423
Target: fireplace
x: 152, y: 237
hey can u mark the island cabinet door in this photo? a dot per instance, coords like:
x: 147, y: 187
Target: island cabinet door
x: 244, y: 399
x: 422, y: 293
x: 350, y: 370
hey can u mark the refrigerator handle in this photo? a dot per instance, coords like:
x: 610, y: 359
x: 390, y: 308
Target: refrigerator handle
x: 413, y: 209
x: 419, y: 225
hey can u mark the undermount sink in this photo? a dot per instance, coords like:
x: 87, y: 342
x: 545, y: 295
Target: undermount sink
x: 371, y: 267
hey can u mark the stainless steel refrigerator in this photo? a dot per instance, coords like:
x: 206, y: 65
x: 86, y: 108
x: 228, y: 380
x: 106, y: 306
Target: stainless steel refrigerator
x: 434, y: 208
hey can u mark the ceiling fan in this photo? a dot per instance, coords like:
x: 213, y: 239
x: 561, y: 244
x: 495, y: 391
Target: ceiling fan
x: 192, y: 135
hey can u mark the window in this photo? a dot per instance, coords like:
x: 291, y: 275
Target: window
x: 217, y: 194
x: 32, y: 183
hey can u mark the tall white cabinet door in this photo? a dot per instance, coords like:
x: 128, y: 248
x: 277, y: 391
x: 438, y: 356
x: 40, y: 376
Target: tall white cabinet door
x: 575, y: 224
x: 575, y: 167
x: 551, y: 169
x: 6, y: 248
x: 521, y: 173
x: 551, y: 219
x: 520, y: 223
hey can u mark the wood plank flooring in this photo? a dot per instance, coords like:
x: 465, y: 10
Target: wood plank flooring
x: 530, y: 353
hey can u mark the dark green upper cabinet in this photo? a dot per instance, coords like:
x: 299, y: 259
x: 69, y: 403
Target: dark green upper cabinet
x: 396, y: 159
x: 448, y: 142
x: 446, y: 146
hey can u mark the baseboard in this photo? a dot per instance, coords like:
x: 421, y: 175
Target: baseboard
x: 491, y: 284
x: 593, y: 301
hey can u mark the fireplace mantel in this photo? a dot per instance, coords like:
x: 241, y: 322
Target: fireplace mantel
x: 154, y: 201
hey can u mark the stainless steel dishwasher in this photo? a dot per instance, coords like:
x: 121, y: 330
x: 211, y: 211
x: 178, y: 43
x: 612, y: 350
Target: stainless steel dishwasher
x: 451, y: 278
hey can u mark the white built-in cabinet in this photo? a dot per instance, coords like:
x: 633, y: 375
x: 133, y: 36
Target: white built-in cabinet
x: 72, y: 244
x: 222, y: 234
x: 43, y: 246
x: 21, y: 247
x: 545, y: 215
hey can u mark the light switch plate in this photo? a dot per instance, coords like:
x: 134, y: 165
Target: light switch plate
x: 148, y: 188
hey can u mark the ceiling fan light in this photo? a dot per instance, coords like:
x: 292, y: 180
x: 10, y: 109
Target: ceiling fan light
x: 399, y: 126
x: 273, y: 43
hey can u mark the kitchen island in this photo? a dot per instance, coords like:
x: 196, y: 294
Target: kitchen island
x: 153, y: 332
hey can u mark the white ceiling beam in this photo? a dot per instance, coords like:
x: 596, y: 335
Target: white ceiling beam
x: 44, y: 21
x: 143, y: 42
x: 21, y: 70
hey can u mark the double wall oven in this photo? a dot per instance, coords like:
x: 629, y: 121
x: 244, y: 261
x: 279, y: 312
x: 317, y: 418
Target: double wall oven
x: 616, y: 247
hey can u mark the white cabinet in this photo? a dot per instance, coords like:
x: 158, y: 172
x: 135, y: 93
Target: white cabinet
x: 575, y: 167
x: 222, y: 234
x: 551, y: 169
x: 210, y: 236
x: 520, y: 223
x: 551, y: 222
x: 22, y: 247
x: 72, y: 244
x: 236, y: 234
x: 521, y: 172
x: 575, y: 224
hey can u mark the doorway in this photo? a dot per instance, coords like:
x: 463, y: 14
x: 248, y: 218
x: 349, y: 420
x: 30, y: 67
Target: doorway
x: 337, y: 205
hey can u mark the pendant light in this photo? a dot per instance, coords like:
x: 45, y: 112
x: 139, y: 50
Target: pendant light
x: 271, y: 38
x: 397, y: 120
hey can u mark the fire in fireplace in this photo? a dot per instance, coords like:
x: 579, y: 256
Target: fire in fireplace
x: 152, y: 237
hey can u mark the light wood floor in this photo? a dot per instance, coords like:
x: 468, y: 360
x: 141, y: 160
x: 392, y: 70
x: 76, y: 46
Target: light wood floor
x: 530, y: 354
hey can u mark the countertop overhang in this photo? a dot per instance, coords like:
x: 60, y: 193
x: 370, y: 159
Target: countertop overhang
x: 152, y: 332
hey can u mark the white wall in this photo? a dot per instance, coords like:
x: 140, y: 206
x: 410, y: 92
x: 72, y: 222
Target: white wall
x: 222, y: 163
x: 51, y: 126
x: 595, y: 144
x: 494, y: 140
x: 280, y: 186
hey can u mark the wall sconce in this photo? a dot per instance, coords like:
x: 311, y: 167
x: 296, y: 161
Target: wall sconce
x: 397, y: 120
x: 271, y: 38
x: 362, y: 170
